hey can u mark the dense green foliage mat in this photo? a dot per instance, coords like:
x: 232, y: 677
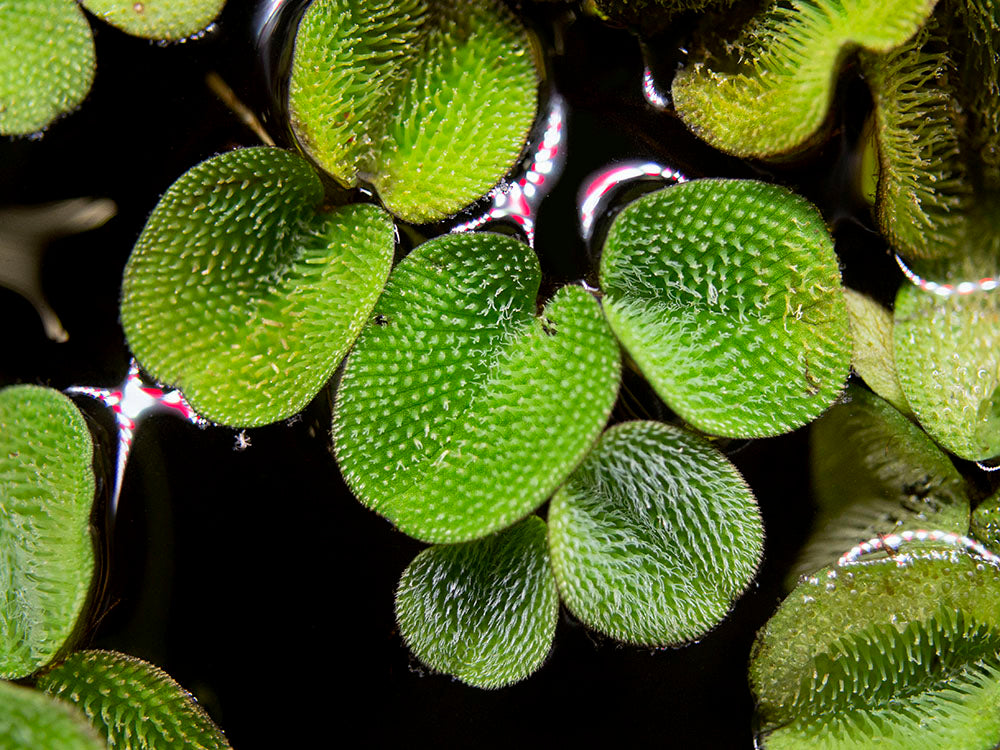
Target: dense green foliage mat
x: 46, y: 549
x: 460, y: 409
x: 245, y: 292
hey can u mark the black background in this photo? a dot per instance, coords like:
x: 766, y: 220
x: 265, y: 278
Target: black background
x: 253, y: 577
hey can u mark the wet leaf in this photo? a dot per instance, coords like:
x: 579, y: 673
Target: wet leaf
x: 654, y: 535
x: 46, y: 62
x: 46, y: 550
x: 460, y: 410
x: 133, y: 704
x: 244, y: 292
x: 30, y: 720
x: 157, y: 19
x: 727, y: 295
x: 985, y: 524
x: 483, y: 611
x: 429, y: 102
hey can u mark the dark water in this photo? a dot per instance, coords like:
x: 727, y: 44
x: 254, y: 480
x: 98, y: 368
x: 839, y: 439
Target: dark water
x: 253, y: 577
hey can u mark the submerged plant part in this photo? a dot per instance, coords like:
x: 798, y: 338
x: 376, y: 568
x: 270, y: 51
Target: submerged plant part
x: 429, y: 102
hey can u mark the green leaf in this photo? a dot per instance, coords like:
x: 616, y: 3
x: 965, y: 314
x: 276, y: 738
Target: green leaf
x: 727, y: 295
x: 874, y: 472
x: 654, y: 535
x: 46, y: 550
x: 459, y: 410
x: 157, y: 19
x: 767, y: 92
x: 133, y: 704
x: 46, y: 62
x: 985, y: 523
x: 872, y: 358
x: 897, y: 652
x: 245, y: 292
x: 484, y: 611
x: 429, y: 102
x: 948, y: 355
x: 30, y: 720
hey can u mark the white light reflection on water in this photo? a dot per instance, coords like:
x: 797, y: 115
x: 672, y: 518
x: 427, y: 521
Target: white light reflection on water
x: 597, y: 187
x: 651, y: 92
x: 987, y: 284
x: 891, y: 543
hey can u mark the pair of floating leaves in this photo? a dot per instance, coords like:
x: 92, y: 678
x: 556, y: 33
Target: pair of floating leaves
x: 898, y: 653
x: 428, y: 101
x: 875, y: 472
x: 245, y: 291
x: 47, y: 59
x: 460, y: 410
x: 46, y: 549
x: 767, y: 92
x: 650, y: 541
x: 727, y: 296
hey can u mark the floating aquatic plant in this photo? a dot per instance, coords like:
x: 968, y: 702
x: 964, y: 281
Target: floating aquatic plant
x: 429, y: 102
x: 872, y: 356
x: 157, y: 19
x: 31, y: 720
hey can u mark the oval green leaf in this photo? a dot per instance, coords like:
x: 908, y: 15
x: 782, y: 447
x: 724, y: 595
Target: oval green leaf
x: 875, y: 472
x: 897, y: 652
x: 948, y: 355
x: 30, y: 720
x: 459, y: 410
x: 654, y: 535
x: 244, y: 292
x: 767, y: 92
x: 132, y: 703
x: 157, y: 19
x: 46, y: 550
x: 46, y: 62
x: 429, y: 102
x: 871, y: 354
x: 727, y: 295
x: 484, y: 611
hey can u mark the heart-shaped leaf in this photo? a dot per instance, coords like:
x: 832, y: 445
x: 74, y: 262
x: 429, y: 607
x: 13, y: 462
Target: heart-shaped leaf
x: 947, y: 350
x: 654, y: 535
x: 900, y: 652
x: 157, y: 19
x: 459, y: 410
x: 46, y: 549
x: 430, y: 102
x: 483, y: 611
x: 244, y: 292
x: 875, y: 472
x: 727, y: 295
x: 132, y: 703
x: 767, y: 92
x: 46, y: 62
x: 30, y: 720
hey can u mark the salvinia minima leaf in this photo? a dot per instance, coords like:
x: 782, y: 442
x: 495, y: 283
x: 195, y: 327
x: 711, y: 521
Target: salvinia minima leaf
x: 30, y: 720
x: 896, y: 652
x: 875, y: 472
x: 132, y: 703
x: 767, y: 92
x: 985, y: 523
x: 654, y: 535
x: 46, y: 62
x: 872, y: 357
x: 947, y: 349
x: 429, y: 102
x: 245, y: 292
x: 727, y: 295
x: 157, y: 19
x: 460, y: 410
x: 483, y: 611
x: 46, y: 550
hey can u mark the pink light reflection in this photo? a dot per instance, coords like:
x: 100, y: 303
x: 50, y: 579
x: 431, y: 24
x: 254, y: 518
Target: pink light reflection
x: 600, y: 184
x: 987, y: 284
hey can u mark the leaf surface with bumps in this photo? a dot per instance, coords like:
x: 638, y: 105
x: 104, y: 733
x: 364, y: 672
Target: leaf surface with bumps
x: 871, y: 353
x: 244, y: 293
x: 654, y: 535
x: 157, y: 19
x: 30, y: 720
x: 46, y: 62
x: 132, y: 703
x: 460, y: 410
x: 767, y: 92
x: 898, y: 653
x: 483, y: 611
x: 430, y: 102
x: 727, y: 295
x: 46, y: 550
